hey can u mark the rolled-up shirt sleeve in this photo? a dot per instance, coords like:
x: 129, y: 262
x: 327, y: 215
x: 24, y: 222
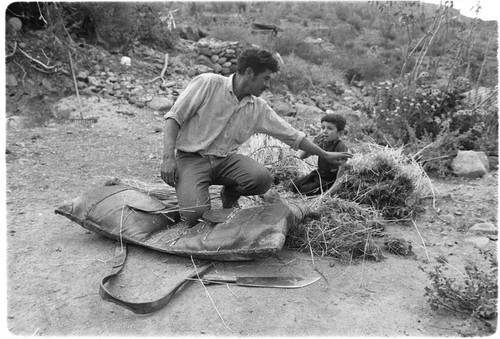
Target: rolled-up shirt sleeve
x: 277, y: 127
x: 189, y: 101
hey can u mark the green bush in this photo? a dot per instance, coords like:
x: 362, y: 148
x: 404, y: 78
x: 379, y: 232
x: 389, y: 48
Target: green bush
x: 368, y: 68
x: 432, y: 122
x: 298, y: 75
x: 410, y: 112
x: 292, y: 42
x: 295, y: 74
x: 232, y: 32
x: 476, y: 295
x: 341, y: 34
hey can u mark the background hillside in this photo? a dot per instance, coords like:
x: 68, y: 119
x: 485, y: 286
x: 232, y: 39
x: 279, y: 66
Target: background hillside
x: 416, y: 75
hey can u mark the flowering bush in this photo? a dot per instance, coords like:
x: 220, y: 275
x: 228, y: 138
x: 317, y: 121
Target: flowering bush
x: 431, y: 122
x: 408, y: 114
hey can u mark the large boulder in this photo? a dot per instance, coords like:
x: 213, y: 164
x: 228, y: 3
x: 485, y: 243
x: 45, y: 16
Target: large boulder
x: 308, y: 110
x: 160, y: 104
x: 283, y: 108
x: 470, y: 164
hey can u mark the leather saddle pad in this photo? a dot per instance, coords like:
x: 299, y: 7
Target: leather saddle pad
x: 123, y: 213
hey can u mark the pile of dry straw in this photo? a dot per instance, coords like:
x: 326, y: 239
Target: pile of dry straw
x: 379, y: 183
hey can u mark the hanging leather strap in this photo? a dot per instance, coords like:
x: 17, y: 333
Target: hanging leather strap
x: 141, y: 307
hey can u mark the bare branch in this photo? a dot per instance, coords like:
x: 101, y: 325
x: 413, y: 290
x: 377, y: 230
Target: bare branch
x: 14, y: 51
x: 35, y: 60
x: 24, y: 72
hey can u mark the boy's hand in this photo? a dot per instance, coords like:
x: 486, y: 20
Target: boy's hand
x: 336, y: 157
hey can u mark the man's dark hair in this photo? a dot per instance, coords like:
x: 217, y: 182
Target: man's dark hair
x: 259, y: 60
x: 336, y: 119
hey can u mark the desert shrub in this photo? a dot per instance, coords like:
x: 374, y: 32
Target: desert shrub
x: 368, y: 68
x: 407, y: 113
x: 153, y: 30
x: 324, y: 75
x: 341, y: 34
x: 292, y: 42
x: 476, y: 295
x: 295, y: 74
x: 114, y: 21
x: 343, y: 11
x: 299, y: 75
x: 231, y: 32
x: 433, y: 123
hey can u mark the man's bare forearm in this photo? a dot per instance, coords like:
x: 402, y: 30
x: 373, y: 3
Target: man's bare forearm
x: 170, y: 138
x: 310, y: 148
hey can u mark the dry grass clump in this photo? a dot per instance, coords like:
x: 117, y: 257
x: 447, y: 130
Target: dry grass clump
x: 281, y: 160
x: 378, y: 182
x: 340, y: 229
x: 386, y: 179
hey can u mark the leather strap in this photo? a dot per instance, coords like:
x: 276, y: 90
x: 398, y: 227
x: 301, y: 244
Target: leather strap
x: 141, y: 307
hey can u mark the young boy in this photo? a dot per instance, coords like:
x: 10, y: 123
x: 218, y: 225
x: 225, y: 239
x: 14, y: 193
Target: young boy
x: 321, y: 179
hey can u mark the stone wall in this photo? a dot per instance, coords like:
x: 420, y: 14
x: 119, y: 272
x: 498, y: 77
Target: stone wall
x: 219, y: 55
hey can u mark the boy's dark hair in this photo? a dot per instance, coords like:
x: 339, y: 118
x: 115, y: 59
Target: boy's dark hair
x: 258, y: 60
x: 336, y: 119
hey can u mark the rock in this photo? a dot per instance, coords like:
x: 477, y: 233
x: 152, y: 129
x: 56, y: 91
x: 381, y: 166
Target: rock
x: 82, y: 76
x: 16, y: 24
x: 139, y: 104
x: 221, y: 53
x: 308, y: 110
x: 284, y: 109
x: 200, y: 69
x: 204, y: 60
x: 493, y: 161
x: 15, y: 122
x: 484, y: 159
x: 480, y: 242
x: 11, y: 81
x: 170, y: 84
x: 352, y: 118
x: 448, y: 218
x: 217, y: 68
x: 484, y: 228
x: 126, y: 61
x: 160, y: 104
x: 189, y: 33
x: 469, y: 164
x: 222, y: 61
x: 205, y: 51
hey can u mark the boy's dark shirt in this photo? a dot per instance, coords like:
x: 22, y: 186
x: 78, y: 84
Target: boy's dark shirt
x: 327, y: 170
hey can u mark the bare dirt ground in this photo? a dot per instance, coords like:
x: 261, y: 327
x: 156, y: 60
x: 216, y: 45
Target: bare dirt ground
x: 54, y: 266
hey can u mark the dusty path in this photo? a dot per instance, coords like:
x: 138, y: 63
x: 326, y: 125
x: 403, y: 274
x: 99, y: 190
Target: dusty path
x: 55, y: 266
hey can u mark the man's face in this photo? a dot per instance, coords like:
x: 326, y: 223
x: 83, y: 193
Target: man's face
x: 259, y: 83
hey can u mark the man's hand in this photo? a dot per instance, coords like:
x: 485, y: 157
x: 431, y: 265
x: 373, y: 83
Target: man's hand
x: 337, y: 157
x: 169, y: 171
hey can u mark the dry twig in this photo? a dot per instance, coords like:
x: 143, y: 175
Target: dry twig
x: 162, y: 74
x: 14, y: 50
x: 209, y: 296
x: 422, y: 240
x: 76, y: 85
x: 36, y: 61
